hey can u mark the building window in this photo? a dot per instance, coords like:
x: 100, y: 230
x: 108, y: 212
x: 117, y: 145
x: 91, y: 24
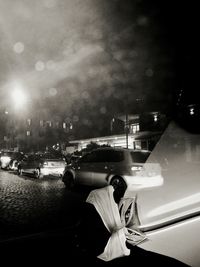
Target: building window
x: 70, y: 126
x: 41, y: 123
x: 134, y: 128
x: 155, y: 117
x: 49, y: 123
x: 28, y: 133
x: 137, y: 145
x: 140, y: 144
x: 29, y: 122
x: 191, y: 111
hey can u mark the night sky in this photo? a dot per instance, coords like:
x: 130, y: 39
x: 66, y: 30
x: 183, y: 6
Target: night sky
x: 88, y: 59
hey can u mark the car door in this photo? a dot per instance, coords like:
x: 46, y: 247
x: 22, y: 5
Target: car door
x: 104, y: 166
x: 29, y: 164
x: 83, y: 169
x: 25, y: 164
x: 99, y: 169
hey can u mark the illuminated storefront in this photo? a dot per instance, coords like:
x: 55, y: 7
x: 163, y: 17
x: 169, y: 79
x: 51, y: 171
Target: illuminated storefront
x: 144, y: 140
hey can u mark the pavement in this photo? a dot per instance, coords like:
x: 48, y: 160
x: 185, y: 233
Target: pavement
x: 39, y: 223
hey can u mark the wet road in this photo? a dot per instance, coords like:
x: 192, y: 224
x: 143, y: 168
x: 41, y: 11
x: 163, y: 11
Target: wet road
x: 28, y: 205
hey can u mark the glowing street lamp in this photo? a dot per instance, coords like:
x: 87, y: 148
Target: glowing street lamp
x: 19, y: 97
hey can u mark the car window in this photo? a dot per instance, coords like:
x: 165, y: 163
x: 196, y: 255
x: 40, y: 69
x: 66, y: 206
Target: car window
x: 111, y: 156
x: 103, y: 156
x: 90, y: 157
x: 33, y: 158
x: 139, y: 157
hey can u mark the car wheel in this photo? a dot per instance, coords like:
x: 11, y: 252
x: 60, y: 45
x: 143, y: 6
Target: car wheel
x: 119, y: 187
x: 37, y: 174
x: 68, y: 180
x: 19, y: 171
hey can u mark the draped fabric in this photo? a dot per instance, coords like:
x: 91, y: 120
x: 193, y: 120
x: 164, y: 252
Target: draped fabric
x: 116, y: 223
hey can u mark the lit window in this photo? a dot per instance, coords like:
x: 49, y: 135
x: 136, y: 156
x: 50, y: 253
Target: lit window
x: 41, y: 123
x: 29, y: 122
x: 137, y: 144
x: 191, y: 111
x: 5, y: 138
x: 49, y: 123
x: 155, y: 117
x: 134, y: 128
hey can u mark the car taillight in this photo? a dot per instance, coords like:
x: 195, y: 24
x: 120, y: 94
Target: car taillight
x: 136, y: 168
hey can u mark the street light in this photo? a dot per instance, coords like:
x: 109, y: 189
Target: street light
x: 18, y: 101
x: 19, y: 97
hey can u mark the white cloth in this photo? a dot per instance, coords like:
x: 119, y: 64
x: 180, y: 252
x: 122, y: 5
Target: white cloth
x: 107, y: 208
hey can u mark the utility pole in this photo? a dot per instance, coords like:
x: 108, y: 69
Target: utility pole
x: 126, y: 129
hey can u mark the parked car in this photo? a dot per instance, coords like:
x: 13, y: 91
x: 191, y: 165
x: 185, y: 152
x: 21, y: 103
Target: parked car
x: 74, y: 158
x: 119, y: 167
x: 13, y: 164
x: 7, y: 157
x: 41, y: 165
x: 169, y: 215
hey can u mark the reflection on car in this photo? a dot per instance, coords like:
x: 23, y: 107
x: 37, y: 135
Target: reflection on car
x: 42, y: 165
x: 169, y: 215
x: 119, y: 167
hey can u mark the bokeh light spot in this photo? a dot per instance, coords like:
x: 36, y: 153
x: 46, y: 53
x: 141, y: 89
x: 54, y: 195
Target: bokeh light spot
x: 53, y: 91
x: 85, y: 95
x: 75, y: 118
x: 103, y: 110
x: 142, y: 21
x: 39, y: 66
x: 149, y: 72
x: 18, y: 47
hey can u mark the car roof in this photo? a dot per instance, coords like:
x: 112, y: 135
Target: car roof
x: 123, y: 149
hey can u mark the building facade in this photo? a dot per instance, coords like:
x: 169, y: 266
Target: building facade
x: 139, y: 131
